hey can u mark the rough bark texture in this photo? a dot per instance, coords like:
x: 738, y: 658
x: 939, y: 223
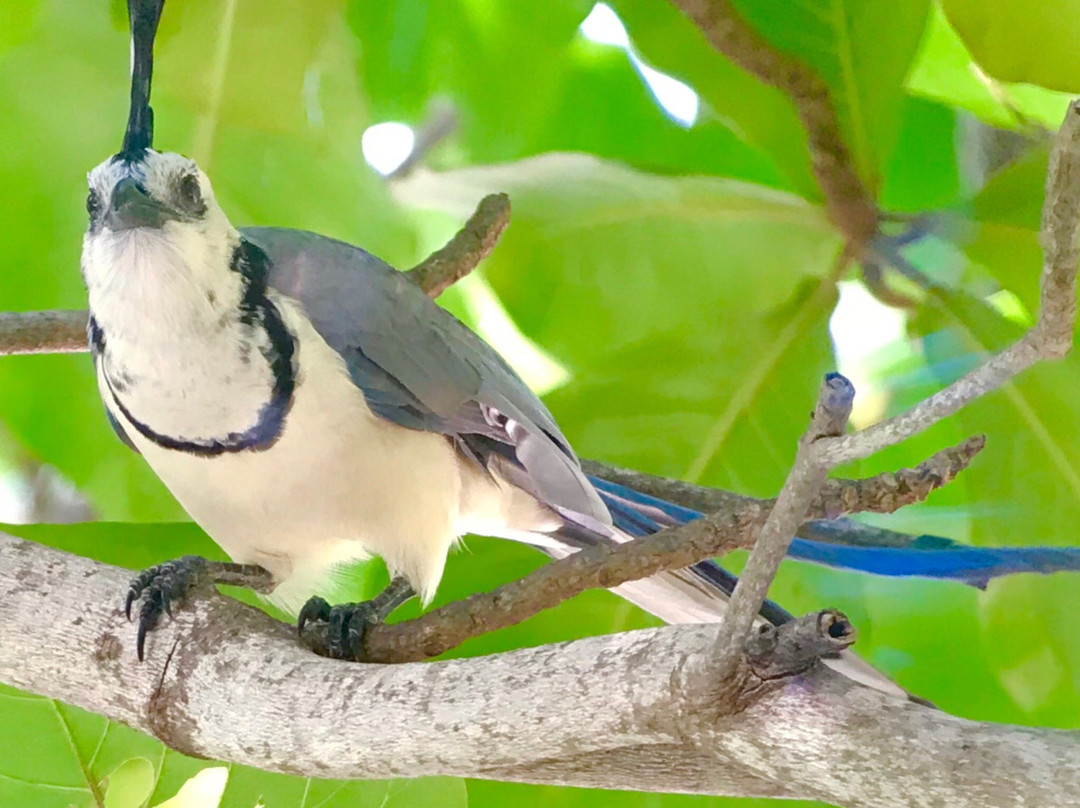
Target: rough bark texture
x: 610, y: 711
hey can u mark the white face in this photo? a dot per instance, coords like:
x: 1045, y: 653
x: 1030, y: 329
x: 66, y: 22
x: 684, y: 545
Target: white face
x: 155, y: 218
x: 168, y: 180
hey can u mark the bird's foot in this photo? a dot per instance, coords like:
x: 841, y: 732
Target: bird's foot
x: 165, y: 585
x: 346, y: 625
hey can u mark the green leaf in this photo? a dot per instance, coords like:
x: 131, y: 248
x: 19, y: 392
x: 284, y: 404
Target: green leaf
x: 1002, y: 236
x: 204, y: 790
x: 55, y: 754
x: 725, y: 419
x: 923, y: 173
x: 461, y: 52
x: 763, y: 116
x: 130, y: 784
x: 862, y: 50
x: 16, y: 22
x: 606, y: 244
x: 945, y: 71
x: 1029, y: 478
x: 469, y: 52
x: 491, y: 793
x: 1013, y: 41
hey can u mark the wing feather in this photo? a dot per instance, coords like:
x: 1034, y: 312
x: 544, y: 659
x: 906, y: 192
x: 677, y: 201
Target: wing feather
x: 421, y: 368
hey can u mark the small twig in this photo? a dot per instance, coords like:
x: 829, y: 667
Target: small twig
x: 847, y: 201
x: 469, y: 246
x: 882, y: 493
x: 735, y: 525
x: 1049, y: 338
x: 804, y: 481
x: 36, y: 332
x: 440, y: 122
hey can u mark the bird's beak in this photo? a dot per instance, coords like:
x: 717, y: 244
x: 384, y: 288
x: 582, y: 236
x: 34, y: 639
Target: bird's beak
x: 131, y: 207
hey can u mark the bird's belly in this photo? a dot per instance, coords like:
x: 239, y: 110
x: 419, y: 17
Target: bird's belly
x: 339, y: 484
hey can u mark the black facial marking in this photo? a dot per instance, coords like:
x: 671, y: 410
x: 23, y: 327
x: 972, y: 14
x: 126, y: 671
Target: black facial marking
x: 93, y: 207
x: 258, y: 312
x: 189, y: 196
x: 96, y: 338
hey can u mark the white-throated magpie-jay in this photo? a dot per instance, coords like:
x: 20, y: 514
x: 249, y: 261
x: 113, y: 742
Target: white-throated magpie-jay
x: 308, y: 405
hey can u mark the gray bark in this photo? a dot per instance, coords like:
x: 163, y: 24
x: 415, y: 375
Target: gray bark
x: 226, y: 682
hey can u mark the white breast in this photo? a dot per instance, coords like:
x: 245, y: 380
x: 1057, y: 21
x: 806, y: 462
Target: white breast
x: 338, y: 485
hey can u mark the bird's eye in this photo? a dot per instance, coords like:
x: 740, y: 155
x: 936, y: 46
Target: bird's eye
x: 93, y: 205
x: 190, y: 195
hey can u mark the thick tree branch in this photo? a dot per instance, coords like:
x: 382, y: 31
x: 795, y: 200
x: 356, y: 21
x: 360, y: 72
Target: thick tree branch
x: 734, y: 524
x: 595, y: 712
x: 849, y: 204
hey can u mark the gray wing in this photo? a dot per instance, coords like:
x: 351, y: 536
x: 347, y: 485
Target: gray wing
x: 420, y: 368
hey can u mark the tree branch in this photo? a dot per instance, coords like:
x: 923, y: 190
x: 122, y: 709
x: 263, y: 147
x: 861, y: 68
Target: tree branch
x: 882, y: 493
x: 733, y: 525
x: 596, y: 712
x: 38, y: 332
x: 803, y: 483
x: 849, y: 204
x: 1050, y: 337
x: 469, y: 246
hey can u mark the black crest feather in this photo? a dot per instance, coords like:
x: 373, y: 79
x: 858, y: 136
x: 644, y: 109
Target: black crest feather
x: 143, y: 16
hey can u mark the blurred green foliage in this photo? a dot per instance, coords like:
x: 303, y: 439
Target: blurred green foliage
x: 684, y: 276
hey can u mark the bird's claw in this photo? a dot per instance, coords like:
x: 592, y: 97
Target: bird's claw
x: 347, y: 623
x: 159, y: 588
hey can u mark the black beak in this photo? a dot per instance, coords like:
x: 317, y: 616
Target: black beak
x: 131, y: 207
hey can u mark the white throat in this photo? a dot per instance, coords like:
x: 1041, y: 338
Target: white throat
x: 179, y: 355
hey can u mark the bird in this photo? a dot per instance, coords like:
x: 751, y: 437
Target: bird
x: 309, y: 406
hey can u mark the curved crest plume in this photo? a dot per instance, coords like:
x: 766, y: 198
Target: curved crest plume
x: 143, y: 16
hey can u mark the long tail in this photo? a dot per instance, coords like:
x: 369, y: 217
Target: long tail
x: 699, y: 593
x: 926, y: 557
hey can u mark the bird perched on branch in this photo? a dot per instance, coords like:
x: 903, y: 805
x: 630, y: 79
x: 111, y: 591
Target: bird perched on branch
x: 309, y: 406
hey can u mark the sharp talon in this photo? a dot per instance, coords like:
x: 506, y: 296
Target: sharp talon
x: 316, y: 609
x: 140, y: 641
x: 347, y: 624
x: 159, y: 587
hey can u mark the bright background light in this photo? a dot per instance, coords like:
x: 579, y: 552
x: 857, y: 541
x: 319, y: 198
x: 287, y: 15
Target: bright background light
x: 675, y: 97
x: 387, y: 145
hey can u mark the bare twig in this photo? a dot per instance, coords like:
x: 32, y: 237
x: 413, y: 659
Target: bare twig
x: 882, y: 493
x: 439, y: 123
x: 804, y: 480
x: 36, y: 332
x: 733, y: 525
x: 469, y: 246
x: 1049, y: 338
x: 848, y: 202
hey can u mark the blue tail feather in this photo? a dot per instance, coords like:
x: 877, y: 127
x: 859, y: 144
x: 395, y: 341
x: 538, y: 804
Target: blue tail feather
x: 926, y: 557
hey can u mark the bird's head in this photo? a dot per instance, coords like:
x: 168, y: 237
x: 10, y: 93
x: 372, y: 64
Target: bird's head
x: 154, y: 213
x: 158, y: 190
